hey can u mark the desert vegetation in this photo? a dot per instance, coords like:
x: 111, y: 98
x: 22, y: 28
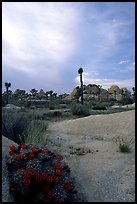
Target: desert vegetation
x: 25, y: 120
x: 25, y: 116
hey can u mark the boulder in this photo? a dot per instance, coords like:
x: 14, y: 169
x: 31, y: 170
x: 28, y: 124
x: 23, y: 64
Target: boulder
x: 6, y: 196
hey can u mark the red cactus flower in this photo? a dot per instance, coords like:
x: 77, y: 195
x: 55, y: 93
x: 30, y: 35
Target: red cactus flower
x: 46, y: 188
x: 11, y: 153
x: 29, y: 172
x: 60, y: 157
x: 38, y: 177
x: 58, y: 200
x: 26, y: 181
x: 49, y: 179
x: 20, y: 156
x: 50, y: 194
x: 12, y: 148
x: 35, y: 150
x: 44, y: 175
x: 27, y: 152
x: 58, y: 165
x: 55, y: 179
x: 31, y: 156
x: 68, y: 186
x: 46, y: 150
x: 57, y: 171
x: 23, y: 146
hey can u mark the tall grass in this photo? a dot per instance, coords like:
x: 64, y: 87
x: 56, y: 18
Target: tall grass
x: 36, y: 132
x: 23, y: 126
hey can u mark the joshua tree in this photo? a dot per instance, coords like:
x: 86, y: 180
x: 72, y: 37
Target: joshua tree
x: 55, y: 95
x: 20, y: 95
x: 51, y: 92
x: 133, y: 88
x: 34, y: 92
x: 80, y: 71
x: 7, y: 85
x: 46, y: 95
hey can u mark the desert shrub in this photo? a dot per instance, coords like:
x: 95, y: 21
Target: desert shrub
x: 37, y: 174
x: 124, y: 144
x: 14, y: 124
x: 51, y: 114
x: 124, y: 147
x: 52, y: 105
x: 80, y: 110
x: 63, y: 106
x: 100, y: 106
x: 57, y: 113
x: 89, y: 103
x: 126, y: 101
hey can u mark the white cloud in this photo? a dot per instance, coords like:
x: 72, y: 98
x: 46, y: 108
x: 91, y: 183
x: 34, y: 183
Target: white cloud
x: 106, y: 82
x: 124, y: 61
x: 47, y: 35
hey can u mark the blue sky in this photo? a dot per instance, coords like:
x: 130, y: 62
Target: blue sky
x: 45, y: 43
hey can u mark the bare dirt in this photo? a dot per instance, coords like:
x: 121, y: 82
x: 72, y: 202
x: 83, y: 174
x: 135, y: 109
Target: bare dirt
x: 104, y: 174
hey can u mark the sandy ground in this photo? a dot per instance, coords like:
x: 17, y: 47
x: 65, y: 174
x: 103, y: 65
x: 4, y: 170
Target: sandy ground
x: 103, y: 173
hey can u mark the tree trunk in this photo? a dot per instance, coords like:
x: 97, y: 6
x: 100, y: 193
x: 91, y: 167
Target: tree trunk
x: 81, y: 89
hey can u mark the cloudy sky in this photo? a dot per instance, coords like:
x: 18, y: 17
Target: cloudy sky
x: 45, y: 43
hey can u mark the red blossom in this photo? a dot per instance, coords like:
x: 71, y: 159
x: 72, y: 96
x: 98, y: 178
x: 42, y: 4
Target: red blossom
x: 23, y: 146
x: 50, y: 194
x: 68, y: 186
x: 38, y: 177
x: 49, y: 179
x: 11, y: 153
x: 29, y: 172
x: 31, y: 156
x: 35, y: 150
x: 58, y: 165
x: 46, y: 188
x: 44, y: 175
x: 60, y: 157
x: 58, y: 200
x: 27, y: 152
x: 46, y: 150
x: 19, y: 157
x: 26, y: 181
x: 12, y: 148
x: 58, y: 171
x: 55, y: 179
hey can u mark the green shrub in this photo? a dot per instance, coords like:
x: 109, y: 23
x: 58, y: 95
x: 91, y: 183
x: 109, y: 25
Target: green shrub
x: 124, y: 144
x: 52, y: 105
x: 80, y: 110
x: 124, y: 147
x: 100, y: 106
x: 126, y: 101
x: 13, y: 125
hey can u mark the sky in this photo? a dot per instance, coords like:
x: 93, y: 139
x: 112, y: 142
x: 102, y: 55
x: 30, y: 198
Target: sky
x: 45, y: 43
